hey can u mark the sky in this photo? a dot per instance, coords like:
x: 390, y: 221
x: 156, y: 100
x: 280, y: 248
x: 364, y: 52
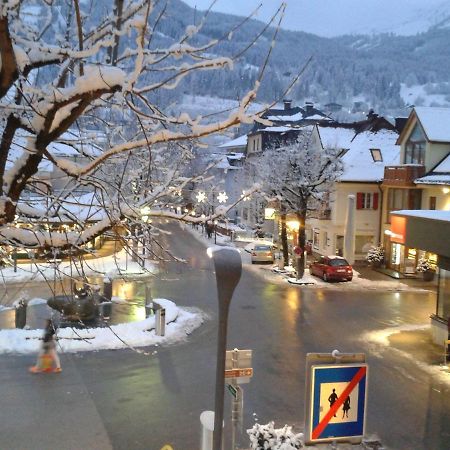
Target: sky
x: 330, y: 18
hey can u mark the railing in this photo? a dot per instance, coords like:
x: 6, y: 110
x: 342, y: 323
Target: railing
x: 402, y: 175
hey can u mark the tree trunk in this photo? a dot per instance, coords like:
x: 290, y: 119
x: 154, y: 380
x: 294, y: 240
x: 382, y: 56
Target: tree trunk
x: 301, y: 242
x: 284, y: 242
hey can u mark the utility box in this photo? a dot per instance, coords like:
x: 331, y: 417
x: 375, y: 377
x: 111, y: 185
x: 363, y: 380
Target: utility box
x: 160, y: 319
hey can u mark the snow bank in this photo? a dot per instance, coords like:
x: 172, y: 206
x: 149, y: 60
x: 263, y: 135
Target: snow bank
x: 179, y: 323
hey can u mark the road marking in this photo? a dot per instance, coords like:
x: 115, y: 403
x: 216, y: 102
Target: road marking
x: 324, y: 422
x: 167, y: 447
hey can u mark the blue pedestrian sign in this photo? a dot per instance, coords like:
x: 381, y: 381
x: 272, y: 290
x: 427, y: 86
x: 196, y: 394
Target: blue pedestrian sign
x: 337, y: 402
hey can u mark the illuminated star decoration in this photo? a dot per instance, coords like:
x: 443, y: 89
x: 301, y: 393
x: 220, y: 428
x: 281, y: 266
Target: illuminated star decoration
x: 201, y: 197
x: 222, y: 197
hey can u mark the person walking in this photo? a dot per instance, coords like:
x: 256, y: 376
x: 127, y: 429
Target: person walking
x: 48, y: 360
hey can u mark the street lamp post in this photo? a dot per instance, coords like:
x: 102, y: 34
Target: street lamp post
x: 228, y: 267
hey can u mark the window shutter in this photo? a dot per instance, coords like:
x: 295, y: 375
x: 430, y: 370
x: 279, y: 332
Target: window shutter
x: 375, y: 200
x: 359, y: 200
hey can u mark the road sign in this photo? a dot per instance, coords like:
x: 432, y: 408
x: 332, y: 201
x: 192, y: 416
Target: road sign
x: 337, y: 402
x: 238, y: 359
x: 239, y: 373
x: 234, y: 390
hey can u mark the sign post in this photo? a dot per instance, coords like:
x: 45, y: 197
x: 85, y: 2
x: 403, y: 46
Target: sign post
x: 336, y: 394
x: 238, y: 370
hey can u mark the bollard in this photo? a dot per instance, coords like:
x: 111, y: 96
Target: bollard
x: 107, y: 289
x: 207, y: 423
x: 160, y: 319
x: 21, y: 314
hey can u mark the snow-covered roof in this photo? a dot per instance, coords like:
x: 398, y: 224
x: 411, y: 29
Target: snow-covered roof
x: 277, y: 129
x: 435, y: 122
x: 71, y: 144
x: 439, y: 175
x: 224, y: 164
x: 434, y: 179
x: 359, y: 164
x: 240, y: 141
x: 441, y: 215
x: 317, y: 117
x: 237, y: 156
x: 70, y: 208
x: 287, y: 118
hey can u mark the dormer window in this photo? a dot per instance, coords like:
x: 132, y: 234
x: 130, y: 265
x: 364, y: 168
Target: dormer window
x: 376, y: 154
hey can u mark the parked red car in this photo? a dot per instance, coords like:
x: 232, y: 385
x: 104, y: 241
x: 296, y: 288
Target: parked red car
x: 332, y: 268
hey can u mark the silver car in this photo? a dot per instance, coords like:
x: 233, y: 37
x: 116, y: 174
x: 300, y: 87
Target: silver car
x: 262, y: 253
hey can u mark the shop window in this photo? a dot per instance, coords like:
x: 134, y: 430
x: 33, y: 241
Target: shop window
x: 432, y: 203
x: 367, y: 200
x: 443, y: 301
x: 363, y: 243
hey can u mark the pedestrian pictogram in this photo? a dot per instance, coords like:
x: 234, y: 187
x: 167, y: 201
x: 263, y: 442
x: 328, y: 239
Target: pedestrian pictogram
x: 338, y: 397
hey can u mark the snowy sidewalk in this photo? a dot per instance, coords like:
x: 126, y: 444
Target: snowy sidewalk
x: 367, y: 279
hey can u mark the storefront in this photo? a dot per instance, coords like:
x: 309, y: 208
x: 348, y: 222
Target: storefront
x: 427, y: 231
x: 399, y: 256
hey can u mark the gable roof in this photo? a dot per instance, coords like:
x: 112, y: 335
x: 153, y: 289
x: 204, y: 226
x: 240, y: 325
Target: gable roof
x: 240, y: 141
x: 435, y: 122
x: 359, y: 165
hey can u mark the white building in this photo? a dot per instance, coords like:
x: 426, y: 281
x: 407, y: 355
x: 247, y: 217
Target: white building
x: 364, y: 156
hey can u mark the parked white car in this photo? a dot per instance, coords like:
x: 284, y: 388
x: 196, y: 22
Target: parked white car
x: 262, y: 253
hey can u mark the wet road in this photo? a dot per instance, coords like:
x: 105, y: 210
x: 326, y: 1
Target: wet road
x: 144, y: 402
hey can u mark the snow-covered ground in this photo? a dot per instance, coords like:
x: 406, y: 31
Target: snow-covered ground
x: 418, y: 96
x: 272, y: 274
x: 179, y: 323
x: 380, y: 342
x: 119, y: 264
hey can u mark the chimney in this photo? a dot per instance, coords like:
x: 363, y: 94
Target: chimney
x: 371, y: 115
x: 309, y: 106
x: 287, y: 104
x: 400, y: 123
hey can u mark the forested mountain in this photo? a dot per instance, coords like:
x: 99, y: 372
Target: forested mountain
x: 343, y: 69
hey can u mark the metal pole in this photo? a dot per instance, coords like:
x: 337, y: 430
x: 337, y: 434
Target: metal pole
x: 228, y: 267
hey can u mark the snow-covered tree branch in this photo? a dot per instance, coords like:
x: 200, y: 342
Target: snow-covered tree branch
x: 296, y: 174
x: 79, y: 115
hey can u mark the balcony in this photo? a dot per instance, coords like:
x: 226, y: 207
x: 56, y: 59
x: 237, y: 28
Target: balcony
x: 403, y: 176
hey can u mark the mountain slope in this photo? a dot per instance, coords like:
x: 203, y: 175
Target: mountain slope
x: 331, y: 18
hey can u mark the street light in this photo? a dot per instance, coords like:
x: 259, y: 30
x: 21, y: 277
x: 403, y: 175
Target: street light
x: 228, y: 267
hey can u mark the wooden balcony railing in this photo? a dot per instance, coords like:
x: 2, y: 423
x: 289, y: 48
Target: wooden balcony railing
x: 402, y: 175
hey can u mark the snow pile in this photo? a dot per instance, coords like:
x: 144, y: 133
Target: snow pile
x: 179, y: 323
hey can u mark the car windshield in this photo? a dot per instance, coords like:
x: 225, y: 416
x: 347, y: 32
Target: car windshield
x: 262, y: 248
x: 338, y: 262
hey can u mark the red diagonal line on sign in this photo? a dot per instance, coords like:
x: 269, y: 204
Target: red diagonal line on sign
x: 340, y: 400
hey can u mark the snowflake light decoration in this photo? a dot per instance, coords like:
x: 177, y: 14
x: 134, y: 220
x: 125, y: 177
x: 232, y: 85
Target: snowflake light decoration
x: 201, y: 197
x: 222, y: 197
